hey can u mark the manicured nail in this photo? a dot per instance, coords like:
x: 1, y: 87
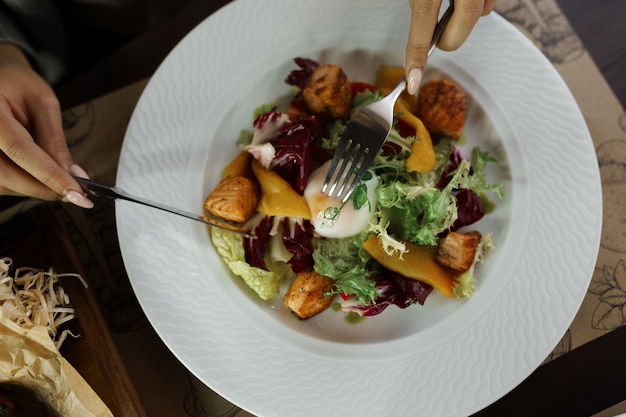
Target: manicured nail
x: 77, y: 171
x: 78, y: 199
x: 415, y: 78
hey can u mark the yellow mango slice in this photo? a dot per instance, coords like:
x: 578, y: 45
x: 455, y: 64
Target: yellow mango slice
x: 389, y: 77
x: 418, y: 263
x: 239, y: 166
x: 278, y: 198
x: 423, y: 158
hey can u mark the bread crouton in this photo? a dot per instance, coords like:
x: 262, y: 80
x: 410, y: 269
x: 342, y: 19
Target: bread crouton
x: 457, y: 250
x: 234, y: 199
x: 442, y: 107
x: 307, y: 294
x: 328, y: 93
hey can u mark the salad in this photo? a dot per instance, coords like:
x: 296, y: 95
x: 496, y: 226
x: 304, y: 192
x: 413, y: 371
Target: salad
x: 405, y: 231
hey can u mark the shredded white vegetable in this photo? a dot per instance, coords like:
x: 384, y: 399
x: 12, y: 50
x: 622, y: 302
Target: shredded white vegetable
x: 31, y: 297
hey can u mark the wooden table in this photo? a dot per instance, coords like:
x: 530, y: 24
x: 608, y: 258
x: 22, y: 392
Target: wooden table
x: 583, y: 382
x: 38, y: 239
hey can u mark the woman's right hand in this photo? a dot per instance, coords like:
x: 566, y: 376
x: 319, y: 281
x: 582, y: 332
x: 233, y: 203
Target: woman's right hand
x: 424, y: 15
x: 34, y: 158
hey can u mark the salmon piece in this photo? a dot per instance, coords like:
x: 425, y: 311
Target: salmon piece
x: 307, y: 294
x: 328, y: 92
x: 457, y: 250
x: 234, y: 199
x: 442, y: 107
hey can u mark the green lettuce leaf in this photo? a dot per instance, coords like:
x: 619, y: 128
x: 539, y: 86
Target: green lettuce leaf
x: 345, y: 261
x: 477, y: 182
x: 266, y: 284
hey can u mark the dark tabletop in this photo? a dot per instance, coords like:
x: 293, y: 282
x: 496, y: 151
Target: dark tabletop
x: 602, y: 28
x: 585, y: 381
x: 600, y: 25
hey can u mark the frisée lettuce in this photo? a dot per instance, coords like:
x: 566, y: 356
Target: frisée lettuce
x: 348, y: 264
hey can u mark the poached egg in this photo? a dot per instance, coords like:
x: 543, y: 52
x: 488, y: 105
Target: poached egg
x: 330, y: 217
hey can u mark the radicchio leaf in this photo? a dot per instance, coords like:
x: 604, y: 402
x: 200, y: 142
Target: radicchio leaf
x: 300, y: 77
x: 256, y: 247
x: 453, y: 163
x: 292, y: 160
x: 393, y: 289
x: 267, y: 125
x: 469, y: 207
x: 297, y: 237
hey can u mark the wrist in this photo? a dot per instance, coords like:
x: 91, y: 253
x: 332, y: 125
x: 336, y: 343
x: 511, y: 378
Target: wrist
x: 11, y: 53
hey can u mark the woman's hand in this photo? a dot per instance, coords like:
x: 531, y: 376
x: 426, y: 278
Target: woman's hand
x: 34, y: 158
x: 424, y: 14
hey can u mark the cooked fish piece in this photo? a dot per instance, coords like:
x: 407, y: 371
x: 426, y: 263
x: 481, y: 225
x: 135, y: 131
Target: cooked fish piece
x: 234, y: 199
x: 442, y: 107
x: 307, y: 294
x: 328, y: 92
x: 457, y: 250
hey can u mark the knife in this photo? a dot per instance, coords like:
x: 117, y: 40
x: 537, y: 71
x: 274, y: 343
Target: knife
x: 116, y: 193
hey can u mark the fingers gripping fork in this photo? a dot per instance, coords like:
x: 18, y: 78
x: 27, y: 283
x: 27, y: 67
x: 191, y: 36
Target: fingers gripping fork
x: 366, y: 133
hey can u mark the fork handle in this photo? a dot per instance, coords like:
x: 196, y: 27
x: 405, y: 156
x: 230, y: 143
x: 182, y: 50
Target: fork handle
x: 441, y: 25
x: 397, y: 90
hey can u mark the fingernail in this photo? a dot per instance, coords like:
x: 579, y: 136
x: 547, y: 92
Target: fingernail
x: 77, y: 171
x: 78, y: 199
x: 415, y: 78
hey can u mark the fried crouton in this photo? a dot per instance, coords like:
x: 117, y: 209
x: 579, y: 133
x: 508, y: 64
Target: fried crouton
x: 234, y: 199
x: 457, y: 250
x: 328, y: 92
x: 442, y: 107
x: 307, y: 294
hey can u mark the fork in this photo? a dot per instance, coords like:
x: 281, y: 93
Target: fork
x: 366, y: 132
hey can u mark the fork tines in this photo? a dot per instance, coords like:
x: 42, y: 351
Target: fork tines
x: 360, y: 142
x: 342, y: 181
x: 347, y: 168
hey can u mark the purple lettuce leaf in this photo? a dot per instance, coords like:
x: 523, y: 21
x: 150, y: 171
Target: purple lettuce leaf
x: 255, y: 248
x: 470, y: 209
x: 292, y: 159
x: 297, y: 237
x: 300, y: 77
x: 394, y: 289
x: 453, y: 163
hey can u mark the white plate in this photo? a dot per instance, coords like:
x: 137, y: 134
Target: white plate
x: 447, y: 358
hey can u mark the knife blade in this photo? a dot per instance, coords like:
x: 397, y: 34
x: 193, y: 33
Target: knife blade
x: 116, y: 193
